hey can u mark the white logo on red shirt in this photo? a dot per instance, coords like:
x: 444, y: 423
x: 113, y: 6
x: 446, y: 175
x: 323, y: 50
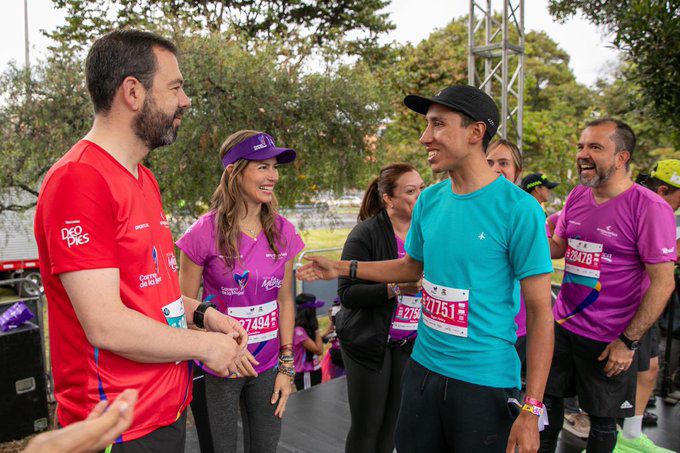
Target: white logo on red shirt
x: 172, y: 262
x: 141, y: 226
x: 164, y: 222
x: 74, y: 235
x: 271, y: 283
x: 149, y: 280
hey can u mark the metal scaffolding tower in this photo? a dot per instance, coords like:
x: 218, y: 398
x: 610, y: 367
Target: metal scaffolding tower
x: 502, y: 52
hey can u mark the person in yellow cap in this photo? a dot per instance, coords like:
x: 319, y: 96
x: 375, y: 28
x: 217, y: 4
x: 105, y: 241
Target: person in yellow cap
x: 665, y: 181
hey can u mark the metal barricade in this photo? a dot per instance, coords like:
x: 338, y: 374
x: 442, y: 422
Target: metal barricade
x: 325, y: 290
x: 37, y: 305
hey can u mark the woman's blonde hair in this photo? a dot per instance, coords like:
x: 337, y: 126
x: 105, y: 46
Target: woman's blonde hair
x: 230, y: 205
x: 514, y: 150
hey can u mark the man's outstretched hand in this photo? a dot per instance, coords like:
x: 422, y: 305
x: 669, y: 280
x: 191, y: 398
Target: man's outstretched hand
x: 319, y: 268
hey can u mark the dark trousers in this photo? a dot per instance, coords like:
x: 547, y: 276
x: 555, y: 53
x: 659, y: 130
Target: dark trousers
x: 374, y: 398
x: 440, y: 414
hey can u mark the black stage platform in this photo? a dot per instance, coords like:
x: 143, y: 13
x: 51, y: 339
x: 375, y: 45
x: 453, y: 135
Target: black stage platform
x: 317, y: 420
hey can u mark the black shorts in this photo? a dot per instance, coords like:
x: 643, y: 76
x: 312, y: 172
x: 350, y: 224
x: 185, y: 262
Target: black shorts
x: 171, y: 439
x: 649, y: 347
x: 576, y: 370
x: 440, y: 414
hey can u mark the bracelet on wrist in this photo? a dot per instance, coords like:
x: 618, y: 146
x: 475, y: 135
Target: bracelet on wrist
x: 287, y: 346
x: 538, y: 411
x: 353, y: 269
x: 286, y: 358
x: 288, y: 371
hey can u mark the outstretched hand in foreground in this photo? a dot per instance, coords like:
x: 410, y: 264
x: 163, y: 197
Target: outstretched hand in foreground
x: 100, y: 429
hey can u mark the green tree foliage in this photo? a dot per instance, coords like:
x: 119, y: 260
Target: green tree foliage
x: 327, y: 117
x: 306, y: 24
x: 647, y: 31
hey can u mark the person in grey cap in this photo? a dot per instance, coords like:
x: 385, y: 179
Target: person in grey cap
x: 539, y: 186
x: 460, y: 389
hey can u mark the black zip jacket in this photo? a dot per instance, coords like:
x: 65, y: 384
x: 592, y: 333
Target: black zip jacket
x: 363, y: 323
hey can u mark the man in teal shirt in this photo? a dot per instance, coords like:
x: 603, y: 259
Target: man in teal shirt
x: 473, y: 236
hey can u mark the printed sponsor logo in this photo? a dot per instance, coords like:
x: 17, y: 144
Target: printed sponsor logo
x: 172, y: 262
x: 271, y: 282
x: 666, y: 251
x: 607, y: 231
x: 146, y: 280
x: 274, y: 256
x: 606, y: 257
x: 154, y: 257
x: 626, y: 405
x: 574, y: 222
x: 74, y: 236
x: 141, y: 226
x: 164, y: 222
x: 242, y: 279
x: 481, y: 236
x: 231, y: 291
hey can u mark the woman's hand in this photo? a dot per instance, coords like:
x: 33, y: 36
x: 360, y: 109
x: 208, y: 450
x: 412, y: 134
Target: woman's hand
x: 283, y: 387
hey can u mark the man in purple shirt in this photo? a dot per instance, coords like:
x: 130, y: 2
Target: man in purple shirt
x: 618, y: 242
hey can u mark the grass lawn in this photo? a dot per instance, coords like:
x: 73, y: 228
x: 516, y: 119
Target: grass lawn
x: 324, y: 239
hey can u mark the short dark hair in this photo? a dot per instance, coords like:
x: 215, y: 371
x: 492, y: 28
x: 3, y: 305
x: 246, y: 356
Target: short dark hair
x: 117, y: 55
x: 466, y: 120
x: 623, y: 137
x: 653, y: 184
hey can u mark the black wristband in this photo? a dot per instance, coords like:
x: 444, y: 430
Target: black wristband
x: 199, y: 313
x: 353, y: 270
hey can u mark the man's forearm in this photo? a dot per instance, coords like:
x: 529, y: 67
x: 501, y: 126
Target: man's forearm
x: 653, y: 303
x: 540, y: 333
x: 397, y: 270
x: 137, y: 337
x: 540, y: 340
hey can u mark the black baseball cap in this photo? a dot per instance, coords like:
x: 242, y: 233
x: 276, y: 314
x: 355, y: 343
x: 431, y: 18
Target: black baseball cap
x: 463, y: 98
x: 533, y: 180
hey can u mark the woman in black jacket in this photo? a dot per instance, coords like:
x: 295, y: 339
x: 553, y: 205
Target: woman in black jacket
x: 377, y: 324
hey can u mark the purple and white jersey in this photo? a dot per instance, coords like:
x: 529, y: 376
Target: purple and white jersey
x: 608, y: 246
x: 300, y: 353
x: 249, y: 291
x: 407, y: 312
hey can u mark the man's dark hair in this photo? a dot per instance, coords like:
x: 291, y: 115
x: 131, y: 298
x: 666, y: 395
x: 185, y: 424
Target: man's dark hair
x: 466, y: 120
x: 121, y: 54
x: 653, y: 184
x: 623, y: 136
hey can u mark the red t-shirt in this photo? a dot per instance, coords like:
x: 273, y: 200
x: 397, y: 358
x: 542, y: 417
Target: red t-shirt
x: 93, y: 213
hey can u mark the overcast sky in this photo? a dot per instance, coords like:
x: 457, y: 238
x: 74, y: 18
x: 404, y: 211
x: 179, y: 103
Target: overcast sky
x: 414, y: 20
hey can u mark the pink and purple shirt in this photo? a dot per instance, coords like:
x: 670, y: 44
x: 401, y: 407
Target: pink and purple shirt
x: 407, y: 312
x: 300, y: 353
x: 608, y: 246
x: 249, y: 291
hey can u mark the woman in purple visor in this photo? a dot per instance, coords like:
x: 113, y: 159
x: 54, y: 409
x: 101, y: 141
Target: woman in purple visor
x: 243, y: 250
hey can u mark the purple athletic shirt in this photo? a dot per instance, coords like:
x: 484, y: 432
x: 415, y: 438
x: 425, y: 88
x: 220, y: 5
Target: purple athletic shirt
x: 608, y: 246
x: 407, y: 312
x: 248, y: 292
x: 301, y: 362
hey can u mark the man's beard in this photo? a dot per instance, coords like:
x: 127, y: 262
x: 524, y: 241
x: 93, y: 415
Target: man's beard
x: 602, y: 175
x: 155, y: 128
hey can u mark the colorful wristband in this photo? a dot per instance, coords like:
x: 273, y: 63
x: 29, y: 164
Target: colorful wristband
x: 533, y: 409
x: 533, y: 401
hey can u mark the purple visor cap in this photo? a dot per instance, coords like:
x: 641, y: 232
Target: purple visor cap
x: 258, y: 147
x: 313, y: 304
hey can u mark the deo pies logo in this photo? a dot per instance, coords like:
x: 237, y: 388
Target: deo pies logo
x: 73, y: 235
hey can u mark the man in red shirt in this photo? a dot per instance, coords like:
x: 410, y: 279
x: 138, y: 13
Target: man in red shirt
x: 117, y: 317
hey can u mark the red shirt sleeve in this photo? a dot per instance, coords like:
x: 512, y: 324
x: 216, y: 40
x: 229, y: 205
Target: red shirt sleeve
x: 78, y: 220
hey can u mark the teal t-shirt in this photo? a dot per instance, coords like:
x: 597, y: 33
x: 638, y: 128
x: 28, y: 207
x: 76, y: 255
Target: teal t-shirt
x: 474, y: 249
